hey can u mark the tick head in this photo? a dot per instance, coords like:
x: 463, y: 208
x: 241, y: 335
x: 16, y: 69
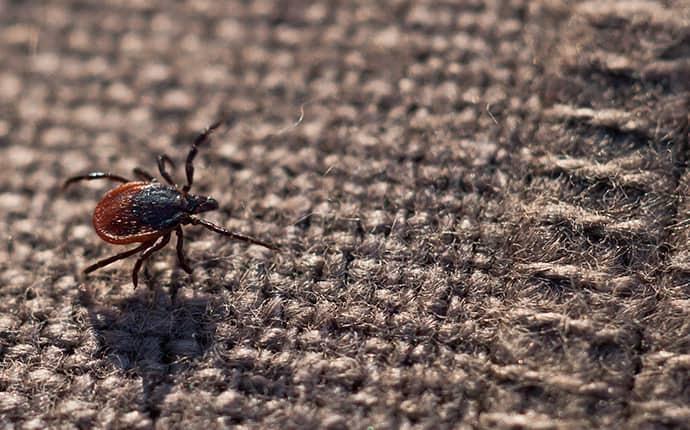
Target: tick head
x: 199, y: 204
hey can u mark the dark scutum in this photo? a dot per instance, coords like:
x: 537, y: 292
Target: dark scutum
x: 159, y: 206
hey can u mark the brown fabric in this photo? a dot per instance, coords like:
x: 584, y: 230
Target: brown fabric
x: 482, y: 207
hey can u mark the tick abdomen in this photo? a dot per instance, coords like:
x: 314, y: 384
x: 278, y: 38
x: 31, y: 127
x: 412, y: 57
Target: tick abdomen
x: 138, y: 212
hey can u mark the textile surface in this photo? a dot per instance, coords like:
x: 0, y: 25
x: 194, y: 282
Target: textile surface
x: 482, y: 208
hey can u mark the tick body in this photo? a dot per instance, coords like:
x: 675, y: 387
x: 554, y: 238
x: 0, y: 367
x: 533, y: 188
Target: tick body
x: 147, y: 212
x: 139, y: 212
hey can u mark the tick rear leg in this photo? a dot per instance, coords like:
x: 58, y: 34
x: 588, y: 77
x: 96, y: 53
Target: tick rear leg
x: 117, y: 257
x: 94, y: 175
x: 143, y: 174
x: 225, y: 232
x: 180, y: 252
x: 163, y: 159
x: 145, y: 255
x: 189, y: 164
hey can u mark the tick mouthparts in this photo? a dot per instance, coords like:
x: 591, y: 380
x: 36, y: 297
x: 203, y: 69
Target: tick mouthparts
x: 207, y: 204
x: 210, y: 204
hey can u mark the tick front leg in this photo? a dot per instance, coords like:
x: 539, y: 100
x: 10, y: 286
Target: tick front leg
x: 163, y: 159
x: 225, y: 232
x: 94, y: 175
x: 189, y: 164
x: 180, y: 252
x: 145, y: 255
x: 117, y: 257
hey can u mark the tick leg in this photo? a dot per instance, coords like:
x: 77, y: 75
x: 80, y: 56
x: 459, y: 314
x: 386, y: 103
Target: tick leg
x: 189, y: 165
x: 146, y: 254
x: 180, y: 252
x: 163, y: 159
x: 94, y: 175
x: 143, y: 174
x: 117, y: 257
x: 225, y: 232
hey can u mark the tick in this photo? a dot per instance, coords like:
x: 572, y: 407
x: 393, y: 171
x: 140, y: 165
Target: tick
x: 147, y: 212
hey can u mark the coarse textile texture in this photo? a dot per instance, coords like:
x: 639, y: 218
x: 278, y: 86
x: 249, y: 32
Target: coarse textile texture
x: 482, y: 205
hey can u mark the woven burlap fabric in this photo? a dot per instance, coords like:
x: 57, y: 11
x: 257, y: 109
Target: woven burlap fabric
x: 482, y: 207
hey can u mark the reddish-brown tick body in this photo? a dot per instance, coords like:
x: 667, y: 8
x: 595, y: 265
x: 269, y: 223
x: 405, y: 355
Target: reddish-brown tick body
x: 147, y: 211
x: 141, y: 211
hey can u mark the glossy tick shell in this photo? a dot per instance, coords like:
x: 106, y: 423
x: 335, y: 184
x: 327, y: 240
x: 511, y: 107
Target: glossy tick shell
x: 138, y: 212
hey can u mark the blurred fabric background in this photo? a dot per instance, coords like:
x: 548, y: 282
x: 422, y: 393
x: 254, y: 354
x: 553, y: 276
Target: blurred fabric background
x: 483, y: 207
